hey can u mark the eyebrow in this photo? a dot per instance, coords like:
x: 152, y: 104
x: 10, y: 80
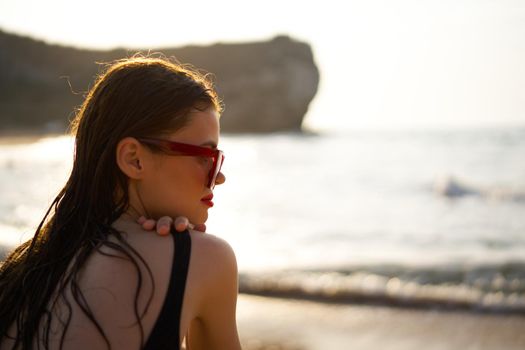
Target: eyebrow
x: 212, y: 144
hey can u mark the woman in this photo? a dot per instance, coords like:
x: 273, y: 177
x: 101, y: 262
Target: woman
x: 146, y: 142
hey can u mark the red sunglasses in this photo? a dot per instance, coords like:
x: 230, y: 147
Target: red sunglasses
x: 177, y: 148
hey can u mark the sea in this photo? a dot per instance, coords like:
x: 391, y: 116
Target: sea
x: 405, y: 218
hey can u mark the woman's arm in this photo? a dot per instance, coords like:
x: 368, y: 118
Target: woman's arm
x: 216, y: 327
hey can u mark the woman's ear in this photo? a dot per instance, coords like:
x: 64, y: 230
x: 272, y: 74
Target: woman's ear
x: 130, y: 158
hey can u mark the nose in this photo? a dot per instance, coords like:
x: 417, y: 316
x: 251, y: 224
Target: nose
x: 220, y: 179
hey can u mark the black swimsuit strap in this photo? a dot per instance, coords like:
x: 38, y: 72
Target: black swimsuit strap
x: 165, y: 333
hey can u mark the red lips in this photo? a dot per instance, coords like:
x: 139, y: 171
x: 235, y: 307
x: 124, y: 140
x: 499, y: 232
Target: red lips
x: 208, y: 197
x: 207, y: 200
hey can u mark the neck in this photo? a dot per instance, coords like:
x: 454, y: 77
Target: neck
x: 136, y: 206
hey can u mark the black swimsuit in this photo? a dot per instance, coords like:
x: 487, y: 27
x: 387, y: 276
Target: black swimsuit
x: 165, y: 333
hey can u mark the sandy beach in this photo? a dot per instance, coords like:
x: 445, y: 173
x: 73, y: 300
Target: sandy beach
x: 271, y: 323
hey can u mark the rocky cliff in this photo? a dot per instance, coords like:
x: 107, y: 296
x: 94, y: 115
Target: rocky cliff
x: 265, y: 86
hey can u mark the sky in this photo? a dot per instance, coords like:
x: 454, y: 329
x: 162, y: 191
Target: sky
x: 384, y: 63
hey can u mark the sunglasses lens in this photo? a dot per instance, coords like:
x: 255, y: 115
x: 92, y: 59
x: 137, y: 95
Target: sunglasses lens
x: 216, y: 170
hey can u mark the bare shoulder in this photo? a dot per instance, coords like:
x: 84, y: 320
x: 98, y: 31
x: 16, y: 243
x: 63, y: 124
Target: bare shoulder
x: 212, y: 252
x: 213, y: 267
x: 210, y: 242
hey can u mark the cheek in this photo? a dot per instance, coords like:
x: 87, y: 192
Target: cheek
x: 189, y: 175
x: 177, y: 179
x: 176, y: 188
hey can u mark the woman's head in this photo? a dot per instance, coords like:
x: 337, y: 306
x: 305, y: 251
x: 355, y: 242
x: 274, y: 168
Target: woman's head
x: 134, y: 99
x: 175, y: 180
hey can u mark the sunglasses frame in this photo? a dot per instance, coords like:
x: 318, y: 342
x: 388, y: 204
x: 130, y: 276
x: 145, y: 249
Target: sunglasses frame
x: 178, y: 148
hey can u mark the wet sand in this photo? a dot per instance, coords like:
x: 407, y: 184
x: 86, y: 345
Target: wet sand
x: 271, y: 323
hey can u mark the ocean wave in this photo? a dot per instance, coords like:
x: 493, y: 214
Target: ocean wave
x: 451, y: 187
x: 496, y: 288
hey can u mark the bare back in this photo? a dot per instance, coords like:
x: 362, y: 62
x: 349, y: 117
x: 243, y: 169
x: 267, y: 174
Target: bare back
x: 109, y: 285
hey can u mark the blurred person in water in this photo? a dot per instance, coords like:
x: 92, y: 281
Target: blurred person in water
x: 93, y: 277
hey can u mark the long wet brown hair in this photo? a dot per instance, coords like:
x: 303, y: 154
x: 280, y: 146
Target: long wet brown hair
x: 137, y: 97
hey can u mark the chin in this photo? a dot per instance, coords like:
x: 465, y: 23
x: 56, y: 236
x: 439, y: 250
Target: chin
x: 199, y: 218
